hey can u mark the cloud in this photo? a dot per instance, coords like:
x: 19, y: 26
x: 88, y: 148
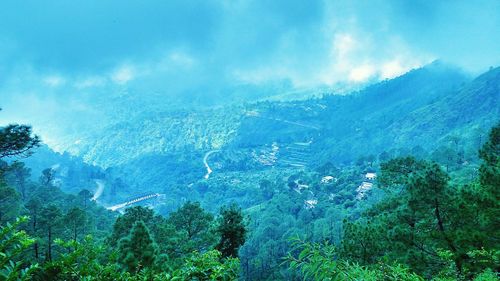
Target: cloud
x: 71, y: 57
x: 54, y: 80
x: 361, y: 73
x: 123, y: 74
x: 90, y: 82
x: 309, y: 43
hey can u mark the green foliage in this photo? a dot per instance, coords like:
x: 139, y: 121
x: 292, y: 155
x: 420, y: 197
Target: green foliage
x: 75, y: 218
x: 232, y: 231
x: 436, y: 228
x: 123, y: 224
x: 138, y: 250
x: 321, y: 262
x: 209, y: 266
x: 10, y: 202
x: 436, y: 221
x: 196, y: 223
x: 17, y: 140
x: 487, y: 275
x: 363, y: 243
x: 51, y: 223
x: 13, y: 244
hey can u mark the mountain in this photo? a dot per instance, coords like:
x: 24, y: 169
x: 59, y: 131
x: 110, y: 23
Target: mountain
x: 153, y: 148
x: 71, y: 173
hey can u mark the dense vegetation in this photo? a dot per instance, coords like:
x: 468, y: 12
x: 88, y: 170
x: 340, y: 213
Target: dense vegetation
x: 425, y: 226
x: 323, y: 195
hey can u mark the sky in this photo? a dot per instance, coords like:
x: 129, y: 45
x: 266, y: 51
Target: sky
x: 58, y: 56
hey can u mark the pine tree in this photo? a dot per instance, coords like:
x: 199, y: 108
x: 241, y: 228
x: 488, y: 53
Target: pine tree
x: 50, y: 222
x: 75, y: 219
x: 10, y: 204
x: 138, y: 250
x: 17, y: 141
x: 490, y: 169
x: 232, y: 231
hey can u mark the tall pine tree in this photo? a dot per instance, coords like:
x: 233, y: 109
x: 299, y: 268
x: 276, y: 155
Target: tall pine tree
x: 138, y: 250
x: 232, y: 231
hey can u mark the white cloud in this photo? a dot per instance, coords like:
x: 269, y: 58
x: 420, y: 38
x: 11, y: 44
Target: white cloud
x: 89, y: 82
x: 182, y: 59
x: 54, y: 80
x: 362, y: 73
x: 123, y: 74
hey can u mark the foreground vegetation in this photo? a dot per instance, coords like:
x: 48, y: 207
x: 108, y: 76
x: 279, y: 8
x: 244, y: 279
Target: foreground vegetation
x: 425, y: 228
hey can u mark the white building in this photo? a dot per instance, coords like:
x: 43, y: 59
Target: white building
x: 363, y: 189
x: 310, y: 204
x: 370, y: 176
x: 328, y: 179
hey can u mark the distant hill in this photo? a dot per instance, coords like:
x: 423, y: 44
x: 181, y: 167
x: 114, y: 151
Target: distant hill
x: 419, y: 112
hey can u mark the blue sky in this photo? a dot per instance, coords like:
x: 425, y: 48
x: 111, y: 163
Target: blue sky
x: 56, y: 55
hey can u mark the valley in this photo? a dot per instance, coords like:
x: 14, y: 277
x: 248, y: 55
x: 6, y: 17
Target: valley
x: 295, y: 168
x: 250, y: 140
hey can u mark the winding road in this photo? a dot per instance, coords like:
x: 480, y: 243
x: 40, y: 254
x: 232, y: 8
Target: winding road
x: 205, y: 162
x: 100, y: 189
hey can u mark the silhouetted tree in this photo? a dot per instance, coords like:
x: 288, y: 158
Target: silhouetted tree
x: 17, y: 141
x: 47, y: 177
x: 232, y: 231
x: 19, y: 174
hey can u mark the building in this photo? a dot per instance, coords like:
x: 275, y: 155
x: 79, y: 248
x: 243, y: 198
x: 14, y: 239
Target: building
x: 370, y: 176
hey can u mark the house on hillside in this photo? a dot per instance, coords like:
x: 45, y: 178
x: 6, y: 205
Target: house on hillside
x: 363, y: 189
x: 370, y: 176
x: 328, y: 179
x: 310, y: 204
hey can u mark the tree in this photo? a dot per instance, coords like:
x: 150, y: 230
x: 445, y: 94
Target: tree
x: 124, y: 223
x: 490, y: 168
x: 75, y: 220
x: 50, y: 222
x: 478, y: 205
x: 267, y: 189
x: 192, y: 219
x: 17, y: 141
x: 430, y: 199
x: 19, y: 174
x: 85, y: 195
x: 232, y: 231
x: 138, y: 250
x: 10, y: 203
x: 47, y: 177
x: 34, y: 206
x: 362, y: 242
x: 317, y: 261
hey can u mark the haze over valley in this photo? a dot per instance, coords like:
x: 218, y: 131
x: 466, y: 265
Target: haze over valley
x: 249, y: 140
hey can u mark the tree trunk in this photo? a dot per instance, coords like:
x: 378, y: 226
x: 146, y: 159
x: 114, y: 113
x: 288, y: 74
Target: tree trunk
x: 36, y: 250
x: 74, y: 235
x: 23, y: 191
x: 34, y: 232
x: 49, y: 250
x: 451, y: 246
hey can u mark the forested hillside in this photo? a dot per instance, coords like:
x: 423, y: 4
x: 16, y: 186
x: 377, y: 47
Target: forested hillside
x: 398, y: 181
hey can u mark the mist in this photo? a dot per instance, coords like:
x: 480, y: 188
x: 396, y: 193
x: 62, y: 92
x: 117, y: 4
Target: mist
x: 63, y: 63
